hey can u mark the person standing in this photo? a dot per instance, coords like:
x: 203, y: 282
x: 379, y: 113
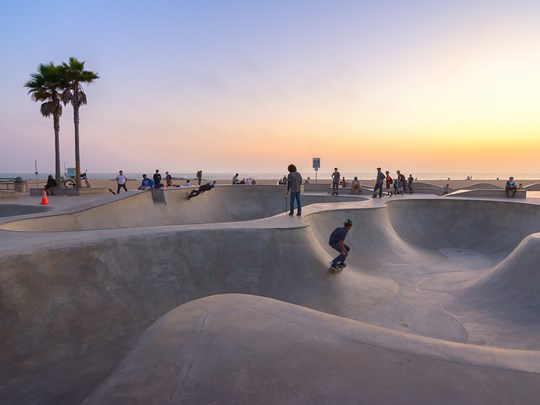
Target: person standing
x: 336, y: 176
x: 409, y: 183
x: 377, y: 191
x: 157, y: 179
x: 199, y: 176
x: 121, y: 180
x: 337, y: 242
x: 389, y: 182
x: 294, y: 184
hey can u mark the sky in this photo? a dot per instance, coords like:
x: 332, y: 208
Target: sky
x: 253, y: 85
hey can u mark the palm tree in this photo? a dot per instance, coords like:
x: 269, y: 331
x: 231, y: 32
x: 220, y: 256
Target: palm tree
x: 45, y: 85
x: 74, y: 75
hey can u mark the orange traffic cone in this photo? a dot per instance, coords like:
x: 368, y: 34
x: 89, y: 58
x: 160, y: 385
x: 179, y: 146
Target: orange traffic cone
x: 44, y: 200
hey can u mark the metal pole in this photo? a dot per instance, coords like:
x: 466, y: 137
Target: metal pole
x: 36, y: 173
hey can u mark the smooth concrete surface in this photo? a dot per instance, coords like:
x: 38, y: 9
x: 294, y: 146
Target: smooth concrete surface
x: 487, y: 193
x: 72, y: 191
x: 10, y: 210
x: 439, y: 302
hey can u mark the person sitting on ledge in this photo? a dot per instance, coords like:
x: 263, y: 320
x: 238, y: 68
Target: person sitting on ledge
x: 510, y: 186
x: 355, y: 186
x: 146, y: 183
x: 51, y: 184
x: 446, y: 189
x: 201, y: 189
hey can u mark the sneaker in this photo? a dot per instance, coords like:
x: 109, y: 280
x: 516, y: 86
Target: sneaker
x: 343, y: 265
x: 333, y: 269
x: 290, y: 214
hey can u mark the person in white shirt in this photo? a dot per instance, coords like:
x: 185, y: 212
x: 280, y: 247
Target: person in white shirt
x: 121, y: 180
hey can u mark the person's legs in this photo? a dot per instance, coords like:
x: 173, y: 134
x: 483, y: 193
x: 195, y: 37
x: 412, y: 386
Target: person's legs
x: 124, y: 186
x: 347, y: 249
x: 506, y: 190
x: 118, y: 189
x: 379, y: 185
x: 291, y: 203
x: 514, y: 189
x: 295, y: 196
x: 340, y: 258
x: 298, y: 204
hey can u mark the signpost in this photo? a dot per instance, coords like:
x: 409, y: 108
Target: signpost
x: 316, y: 166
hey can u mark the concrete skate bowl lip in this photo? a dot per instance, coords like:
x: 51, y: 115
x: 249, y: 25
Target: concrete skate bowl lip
x: 10, y: 210
x: 170, y: 207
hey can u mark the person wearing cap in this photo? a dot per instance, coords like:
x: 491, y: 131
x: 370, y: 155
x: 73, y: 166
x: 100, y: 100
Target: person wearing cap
x: 336, y: 176
x: 337, y: 242
x: 510, y: 186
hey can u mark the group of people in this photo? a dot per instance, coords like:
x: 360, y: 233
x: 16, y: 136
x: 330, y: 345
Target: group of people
x: 249, y: 180
x: 337, y: 181
x: 156, y: 181
x: 393, y: 186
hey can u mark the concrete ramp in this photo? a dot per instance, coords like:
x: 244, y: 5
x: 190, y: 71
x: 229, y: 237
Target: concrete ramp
x: 438, y: 303
x: 10, y: 210
x: 171, y: 207
x: 501, y: 306
x: 242, y: 349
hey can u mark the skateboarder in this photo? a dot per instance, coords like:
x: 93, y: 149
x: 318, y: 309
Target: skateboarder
x: 337, y: 241
x: 201, y: 189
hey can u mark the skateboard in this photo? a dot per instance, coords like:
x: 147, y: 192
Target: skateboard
x: 337, y: 269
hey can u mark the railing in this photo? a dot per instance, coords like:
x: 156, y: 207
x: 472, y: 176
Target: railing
x: 17, y: 184
x: 7, y: 183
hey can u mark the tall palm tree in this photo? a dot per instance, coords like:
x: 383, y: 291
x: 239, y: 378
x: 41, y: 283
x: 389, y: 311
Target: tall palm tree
x: 45, y: 86
x: 74, y: 75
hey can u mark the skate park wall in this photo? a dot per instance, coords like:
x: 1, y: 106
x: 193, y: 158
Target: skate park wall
x: 171, y: 207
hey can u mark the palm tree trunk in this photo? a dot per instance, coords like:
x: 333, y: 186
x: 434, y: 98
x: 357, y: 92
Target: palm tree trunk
x: 56, y: 120
x: 77, y: 153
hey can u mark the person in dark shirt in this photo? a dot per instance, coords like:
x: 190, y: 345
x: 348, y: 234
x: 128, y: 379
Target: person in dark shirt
x: 157, y: 179
x: 51, y: 184
x: 337, y: 241
x: 201, y: 189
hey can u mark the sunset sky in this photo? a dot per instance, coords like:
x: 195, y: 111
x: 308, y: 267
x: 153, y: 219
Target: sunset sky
x: 251, y: 86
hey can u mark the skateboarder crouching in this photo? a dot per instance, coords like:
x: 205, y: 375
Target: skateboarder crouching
x: 337, y: 241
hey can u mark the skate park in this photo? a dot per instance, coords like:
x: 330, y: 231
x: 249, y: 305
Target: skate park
x: 149, y: 298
